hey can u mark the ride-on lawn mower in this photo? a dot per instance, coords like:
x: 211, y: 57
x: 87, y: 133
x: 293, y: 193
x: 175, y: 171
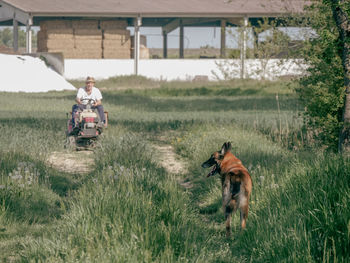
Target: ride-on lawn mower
x: 84, y: 134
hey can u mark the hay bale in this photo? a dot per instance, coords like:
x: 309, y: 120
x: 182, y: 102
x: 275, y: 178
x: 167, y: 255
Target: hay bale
x: 87, y: 34
x: 113, y: 24
x: 144, y: 52
x: 55, y: 24
x: 74, y: 53
x: 116, y: 33
x: 56, y: 32
x: 80, y: 43
x: 86, y: 38
x: 85, y: 24
x: 49, y: 44
x: 116, y: 53
x: 116, y: 44
x: 58, y: 45
x: 143, y: 40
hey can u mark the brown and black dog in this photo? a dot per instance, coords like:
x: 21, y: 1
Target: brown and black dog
x: 236, y: 183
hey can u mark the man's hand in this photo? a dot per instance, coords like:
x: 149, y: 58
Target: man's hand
x: 96, y: 103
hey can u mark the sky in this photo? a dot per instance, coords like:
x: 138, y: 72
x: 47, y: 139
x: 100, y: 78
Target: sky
x: 194, y: 37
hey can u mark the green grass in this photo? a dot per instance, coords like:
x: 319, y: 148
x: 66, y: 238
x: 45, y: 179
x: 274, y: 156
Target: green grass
x: 129, y: 209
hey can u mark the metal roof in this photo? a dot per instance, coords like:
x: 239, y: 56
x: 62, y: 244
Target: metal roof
x: 156, y: 8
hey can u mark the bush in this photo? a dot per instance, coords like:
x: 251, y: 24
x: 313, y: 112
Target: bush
x: 322, y: 90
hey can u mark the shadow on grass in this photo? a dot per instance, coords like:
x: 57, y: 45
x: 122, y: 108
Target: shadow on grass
x: 44, y: 124
x: 201, y: 91
x: 144, y: 103
x: 154, y: 125
x: 211, y: 208
x: 192, y: 102
x: 33, y: 192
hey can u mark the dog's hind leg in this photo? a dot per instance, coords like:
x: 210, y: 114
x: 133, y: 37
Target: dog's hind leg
x: 244, y: 214
x: 226, y: 204
x: 228, y: 213
x: 231, y: 208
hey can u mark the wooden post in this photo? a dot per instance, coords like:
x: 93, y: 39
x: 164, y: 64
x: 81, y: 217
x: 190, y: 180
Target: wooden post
x: 15, y: 35
x: 29, y: 35
x: 165, y: 44
x: 244, y: 48
x: 137, y: 24
x: 181, y: 39
x: 223, y: 39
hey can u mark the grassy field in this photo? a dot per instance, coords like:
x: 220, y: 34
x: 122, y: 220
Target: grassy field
x: 130, y: 209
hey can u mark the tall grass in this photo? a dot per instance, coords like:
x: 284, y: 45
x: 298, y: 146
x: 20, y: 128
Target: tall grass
x: 299, y: 205
x: 129, y: 209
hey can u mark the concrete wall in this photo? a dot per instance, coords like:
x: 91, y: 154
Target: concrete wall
x: 182, y: 69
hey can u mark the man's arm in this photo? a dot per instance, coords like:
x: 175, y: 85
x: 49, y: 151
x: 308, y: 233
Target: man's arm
x: 98, y: 97
x: 79, y: 96
x: 78, y: 100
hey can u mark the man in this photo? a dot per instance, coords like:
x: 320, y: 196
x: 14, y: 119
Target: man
x: 82, y: 99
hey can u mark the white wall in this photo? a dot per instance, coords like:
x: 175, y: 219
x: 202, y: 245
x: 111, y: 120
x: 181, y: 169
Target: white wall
x: 180, y: 69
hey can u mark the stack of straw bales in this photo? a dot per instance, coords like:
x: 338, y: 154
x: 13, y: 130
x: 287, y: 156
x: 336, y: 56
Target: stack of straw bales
x: 116, y: 39
x: 92, y: 39
x: 87, y: 40
x: 144, y: 51
x: 55, y: 36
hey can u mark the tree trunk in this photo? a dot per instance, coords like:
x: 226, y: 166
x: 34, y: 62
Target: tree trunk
x: 343, y: 25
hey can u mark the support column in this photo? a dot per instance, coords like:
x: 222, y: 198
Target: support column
x: 137, y: 24
x: 29, y: 35
x: 244, y: 48
x: 15, y: 35
x: 181, y: 54
x: 223, y: 39
x: 165, y: 44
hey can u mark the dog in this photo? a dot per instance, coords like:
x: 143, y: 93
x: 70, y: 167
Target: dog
x: 236, y: 183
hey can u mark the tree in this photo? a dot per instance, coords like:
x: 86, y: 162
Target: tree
x: 6, y: 37
x: 271, y: 47
x: 274, y: 45
x: 341, y: 11
x: 322, y: 89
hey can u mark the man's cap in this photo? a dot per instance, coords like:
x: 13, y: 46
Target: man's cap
x: 90, y: 79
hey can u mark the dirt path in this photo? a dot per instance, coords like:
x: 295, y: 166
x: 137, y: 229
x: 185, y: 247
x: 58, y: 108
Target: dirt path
x: 72, y: 162
x: 168, y: 159
x: 83, y: 162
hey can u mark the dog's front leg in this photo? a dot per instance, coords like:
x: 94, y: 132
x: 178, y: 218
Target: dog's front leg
x: 226, y: 200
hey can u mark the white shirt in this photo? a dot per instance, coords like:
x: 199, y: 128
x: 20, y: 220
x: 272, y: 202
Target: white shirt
x: 95, y: 95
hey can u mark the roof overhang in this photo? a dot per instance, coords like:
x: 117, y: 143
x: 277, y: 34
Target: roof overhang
x: 23, y: 12
x: 8, y: 12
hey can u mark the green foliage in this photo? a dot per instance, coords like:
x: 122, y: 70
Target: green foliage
x: 322, y: 90
x: 6, y: 37
x: 269, y: 43
x: 275, y: 42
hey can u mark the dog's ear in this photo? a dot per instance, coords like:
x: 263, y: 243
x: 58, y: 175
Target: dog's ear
x: 226, y: 147
x: 229, y: 146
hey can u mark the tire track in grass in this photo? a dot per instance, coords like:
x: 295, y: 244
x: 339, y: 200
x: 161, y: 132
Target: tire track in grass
x: 170, y: 161
x: 72, y: 162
